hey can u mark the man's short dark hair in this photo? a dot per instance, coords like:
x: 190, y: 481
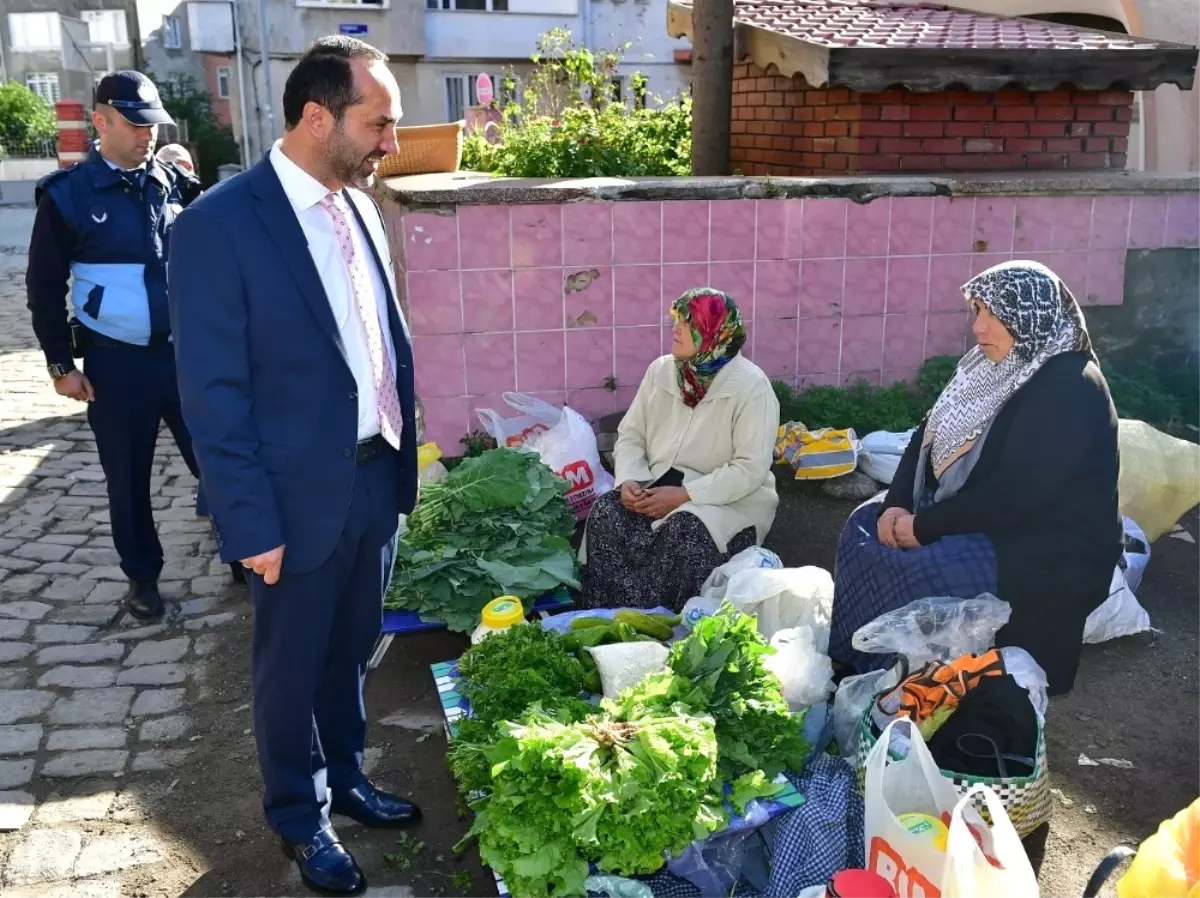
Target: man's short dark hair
x: 323, y: 76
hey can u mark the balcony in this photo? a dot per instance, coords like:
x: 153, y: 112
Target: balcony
x: 493, y: 29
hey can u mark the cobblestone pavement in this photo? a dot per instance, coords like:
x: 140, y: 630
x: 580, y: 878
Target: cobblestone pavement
x: 91, y: 701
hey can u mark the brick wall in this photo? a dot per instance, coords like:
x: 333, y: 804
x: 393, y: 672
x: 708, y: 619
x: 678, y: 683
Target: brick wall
x: 73, y: 141
x: 782, y: 126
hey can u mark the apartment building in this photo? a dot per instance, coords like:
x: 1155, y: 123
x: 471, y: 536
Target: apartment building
x: 61, y: 48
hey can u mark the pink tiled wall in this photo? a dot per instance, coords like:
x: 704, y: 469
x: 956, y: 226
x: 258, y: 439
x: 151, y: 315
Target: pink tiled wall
x: 569, y: 302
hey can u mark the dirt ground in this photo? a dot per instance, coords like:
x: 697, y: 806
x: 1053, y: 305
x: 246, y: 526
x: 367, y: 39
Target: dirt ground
x: 1135, y: 698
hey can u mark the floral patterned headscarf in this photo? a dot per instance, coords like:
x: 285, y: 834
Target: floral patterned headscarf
x: 719, y: 334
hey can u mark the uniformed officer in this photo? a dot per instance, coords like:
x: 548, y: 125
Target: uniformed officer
x: 104, y: 223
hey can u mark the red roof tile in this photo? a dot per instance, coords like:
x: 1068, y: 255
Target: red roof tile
x: 844, y: 24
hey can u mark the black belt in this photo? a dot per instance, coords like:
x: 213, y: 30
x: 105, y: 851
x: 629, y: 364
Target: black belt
x: 95, y: 338
x: 370, y: 449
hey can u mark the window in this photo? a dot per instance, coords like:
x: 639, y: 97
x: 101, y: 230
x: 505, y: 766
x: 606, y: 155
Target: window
x: 44, y: 84
x: 106, y: 26
x: 223, y: 82
x: 34, y: 31
x: 460, y: 94
x: 171, y: 39
x: 469, y: 5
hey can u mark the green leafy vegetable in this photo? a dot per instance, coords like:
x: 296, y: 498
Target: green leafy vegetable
x: 750, y: 786
x: 512, y: 669
x: 619, y: 793
x: 719, y: 670
x: 497, y: 525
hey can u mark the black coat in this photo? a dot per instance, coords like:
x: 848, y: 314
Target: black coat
x: 1044, y: 489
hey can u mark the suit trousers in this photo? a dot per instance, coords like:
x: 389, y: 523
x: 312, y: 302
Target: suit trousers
x: 313, y: 636
x: 136, y: 392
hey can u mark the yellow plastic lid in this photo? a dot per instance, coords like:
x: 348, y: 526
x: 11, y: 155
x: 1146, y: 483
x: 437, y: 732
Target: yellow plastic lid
x: 502, y: 612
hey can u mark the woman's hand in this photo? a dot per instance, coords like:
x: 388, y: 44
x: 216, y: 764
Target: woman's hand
x: 659, y: 502
x: 631, y: 494
x: 887, y: 527
x: 903, y: 531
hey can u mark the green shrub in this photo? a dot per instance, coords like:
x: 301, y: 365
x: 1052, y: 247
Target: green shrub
x: 568, y: 125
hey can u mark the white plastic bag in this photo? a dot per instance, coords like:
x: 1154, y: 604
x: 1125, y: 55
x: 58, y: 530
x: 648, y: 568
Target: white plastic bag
x: 749, y: 559
x: 978, y: 861
x: 935, y: 629
x: 1120, y: 615
x: 880, y: 452
x: 1136, y: 555
x: 699, y: 607
x: 1019, y: 664
x: 569, y: 449
x: 785, y: 598
x: 534, y: 416
x: 989, y: 862
x: 805, y: 673
x: 625, y: 664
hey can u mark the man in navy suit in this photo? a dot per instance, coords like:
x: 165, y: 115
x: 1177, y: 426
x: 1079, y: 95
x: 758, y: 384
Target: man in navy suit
x: 296, y: 377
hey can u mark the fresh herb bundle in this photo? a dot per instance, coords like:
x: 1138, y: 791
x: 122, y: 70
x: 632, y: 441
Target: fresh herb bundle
x: 496, y: 525
x: 619, y: 793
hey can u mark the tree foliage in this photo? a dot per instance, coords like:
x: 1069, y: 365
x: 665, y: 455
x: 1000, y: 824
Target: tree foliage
x: 24, y: 117
x: 213, y: 143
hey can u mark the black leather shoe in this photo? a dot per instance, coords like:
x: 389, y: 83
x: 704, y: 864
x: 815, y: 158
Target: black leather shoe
x: 144, y: 601
x: 326, y: 866
x: 374, y: 807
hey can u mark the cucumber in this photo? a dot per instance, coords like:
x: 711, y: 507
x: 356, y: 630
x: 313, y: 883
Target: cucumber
x: 584, y: 623
x: 644, y: 623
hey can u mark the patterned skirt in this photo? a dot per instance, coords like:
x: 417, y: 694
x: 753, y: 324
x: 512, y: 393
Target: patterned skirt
x: 870, y: 579
x: 632, y: 566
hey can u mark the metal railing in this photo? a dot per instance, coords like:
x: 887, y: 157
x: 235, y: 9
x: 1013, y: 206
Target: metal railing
x: 29, y: 149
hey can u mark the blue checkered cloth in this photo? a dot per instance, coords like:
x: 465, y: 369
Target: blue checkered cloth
x: 870, y: 579
x: 803, y: 847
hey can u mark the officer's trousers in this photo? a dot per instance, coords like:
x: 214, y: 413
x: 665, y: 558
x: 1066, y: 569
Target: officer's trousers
x: 313, y: 637
x: 135, y: 392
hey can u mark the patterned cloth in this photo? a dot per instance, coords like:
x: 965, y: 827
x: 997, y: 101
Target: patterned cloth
x: 1044, y: 320
x: 718, y: 333
x: 870, y: 579
x: 384, y: 375
x: 632, y: 566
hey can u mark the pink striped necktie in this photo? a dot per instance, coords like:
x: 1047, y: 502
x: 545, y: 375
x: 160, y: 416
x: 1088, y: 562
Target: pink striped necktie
x: 387, y: 400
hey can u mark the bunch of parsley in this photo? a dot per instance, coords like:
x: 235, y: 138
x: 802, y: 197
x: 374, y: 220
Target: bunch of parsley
x: 496, y: 525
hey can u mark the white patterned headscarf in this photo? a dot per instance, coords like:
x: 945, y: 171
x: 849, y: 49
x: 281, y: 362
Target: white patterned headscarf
x: 1044, y: 320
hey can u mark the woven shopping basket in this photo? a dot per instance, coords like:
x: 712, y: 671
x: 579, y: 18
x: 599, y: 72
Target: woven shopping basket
x: 425, y: 149
x: 1027, y: 799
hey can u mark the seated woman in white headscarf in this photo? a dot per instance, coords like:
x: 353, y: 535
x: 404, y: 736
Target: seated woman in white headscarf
x: 1009, y: 486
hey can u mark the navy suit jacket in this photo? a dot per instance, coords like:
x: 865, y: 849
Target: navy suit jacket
x: 266, y: 389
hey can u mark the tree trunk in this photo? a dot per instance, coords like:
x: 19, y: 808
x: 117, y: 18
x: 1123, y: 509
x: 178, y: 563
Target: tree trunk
x: 712, y: 85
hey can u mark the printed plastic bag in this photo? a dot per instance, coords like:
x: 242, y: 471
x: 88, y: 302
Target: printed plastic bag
x: 785, y: 598
x: 1160, y: 477
x: 978, y: 861
x: 534, y: 416
x: 880, y: 452
x: 985, y: 862
x: 754, y: 557
x: 806, y: 674
x: 935, y: 629
x: 1167, y: 863
x: 569, y: 449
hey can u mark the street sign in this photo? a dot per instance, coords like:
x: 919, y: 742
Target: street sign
x: 352, y: 29
x: 483, y: 89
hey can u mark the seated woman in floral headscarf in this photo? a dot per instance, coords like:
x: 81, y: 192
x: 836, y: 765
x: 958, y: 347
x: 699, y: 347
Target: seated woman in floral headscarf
x: 693, y: 464
x: 1009, y: 486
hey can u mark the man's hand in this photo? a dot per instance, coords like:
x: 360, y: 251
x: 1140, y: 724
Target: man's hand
x: 887, y: 524
x: 659, y: 502
x: 631, y: 494
x: 75, y: 386
x: 267, y: 565
x: 903, y: 530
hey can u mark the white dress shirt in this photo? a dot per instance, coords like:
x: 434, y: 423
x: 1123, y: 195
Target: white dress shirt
x: 305, y: 194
